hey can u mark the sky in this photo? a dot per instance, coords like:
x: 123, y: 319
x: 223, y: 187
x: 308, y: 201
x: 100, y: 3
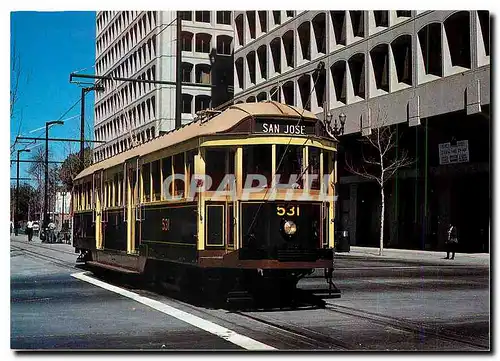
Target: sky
x: 50, y: 46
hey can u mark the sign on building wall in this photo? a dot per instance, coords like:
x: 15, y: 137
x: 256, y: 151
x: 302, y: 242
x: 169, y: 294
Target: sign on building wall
x: 449, y: 154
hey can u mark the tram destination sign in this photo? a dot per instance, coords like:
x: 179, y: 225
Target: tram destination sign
x: 284, y: 127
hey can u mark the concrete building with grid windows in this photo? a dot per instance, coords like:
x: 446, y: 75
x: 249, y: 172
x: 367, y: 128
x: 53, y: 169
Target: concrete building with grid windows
x: 426, y: 72
x: 143, y: 44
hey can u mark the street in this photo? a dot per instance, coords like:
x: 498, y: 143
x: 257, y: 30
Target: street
x: 385, y: 304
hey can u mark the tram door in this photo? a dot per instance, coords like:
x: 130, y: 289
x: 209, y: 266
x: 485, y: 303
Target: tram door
x: 98, y: 208
x: 230, y: 226
x: 134, y: 207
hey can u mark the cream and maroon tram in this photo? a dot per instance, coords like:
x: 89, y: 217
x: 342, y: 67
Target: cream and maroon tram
x: 244, y: 196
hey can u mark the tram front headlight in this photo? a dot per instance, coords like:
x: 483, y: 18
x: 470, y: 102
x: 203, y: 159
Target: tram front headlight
x: 290, y: 227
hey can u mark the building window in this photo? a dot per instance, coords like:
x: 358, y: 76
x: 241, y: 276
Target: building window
x: 202, y: 73
x: 203, y: 43
x: 251, y: 23
x: 187, y: 69
x: 224, y: 44
x: 430, y: 45
x: 403, y: 13
x: 380, y: 61
x: 401, y: 48
x: 239, y: 28
x: 484, y: 21
x: 186, y: 15
x: 239, y: 71
x: 187, y: 40
x: 202, y: 102
x: 262, y: 57
x: 224, y: 17
x: 203, y: 16
x: 251, y: 66
x: 357, y: 23
x: 357, y: 68
x: 457, y: 28
x: 277, y: 17
x: 381, y: 18
x: 186, y: 103
x: 304, y: 83
x: 290, y: 13
x: 263, y: 21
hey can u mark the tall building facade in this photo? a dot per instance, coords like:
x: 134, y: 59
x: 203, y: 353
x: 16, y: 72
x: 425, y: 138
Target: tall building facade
x: 426, y: 73
x: 142, y: 44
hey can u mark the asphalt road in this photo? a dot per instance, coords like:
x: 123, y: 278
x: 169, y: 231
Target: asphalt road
x: 383, y: 306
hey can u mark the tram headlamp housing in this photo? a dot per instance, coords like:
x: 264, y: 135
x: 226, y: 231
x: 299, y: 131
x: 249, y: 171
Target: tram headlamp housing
x: 290, y: 227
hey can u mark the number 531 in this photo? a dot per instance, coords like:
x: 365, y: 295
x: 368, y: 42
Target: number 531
x: 291, y: 211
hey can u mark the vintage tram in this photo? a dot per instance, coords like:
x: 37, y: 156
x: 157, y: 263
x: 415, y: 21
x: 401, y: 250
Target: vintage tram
x: 236, y: 199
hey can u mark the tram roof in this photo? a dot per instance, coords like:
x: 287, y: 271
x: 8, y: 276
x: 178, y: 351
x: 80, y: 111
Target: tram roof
x: 218, y: 124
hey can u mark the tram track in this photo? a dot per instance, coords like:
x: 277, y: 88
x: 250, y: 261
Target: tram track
x: 407, y: 326
x: 292, y: 336
x: 53, y: 260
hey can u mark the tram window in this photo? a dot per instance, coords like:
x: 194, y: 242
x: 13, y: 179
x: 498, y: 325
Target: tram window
x: 146, y: 182
x: 116, y: 191
x: 190, y: 167
x: 215, y: 165
x: 292, y: 164
x: 166, y: 166
x: 87, y: 195
x: 155, y: 175
x: 179, y: 169
x: 313, y: 167
x: 257, y: 160
x: 122, y: 196
x: 326, y: 162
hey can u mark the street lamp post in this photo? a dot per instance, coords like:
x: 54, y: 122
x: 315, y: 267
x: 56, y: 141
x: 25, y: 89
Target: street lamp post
x: 334, y: 132
x: 45, y: 201
x: 16, y: 213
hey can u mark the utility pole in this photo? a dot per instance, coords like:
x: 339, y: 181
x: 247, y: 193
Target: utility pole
x: 16, y: 213
x: 46, y: 193
x: 178, y: 78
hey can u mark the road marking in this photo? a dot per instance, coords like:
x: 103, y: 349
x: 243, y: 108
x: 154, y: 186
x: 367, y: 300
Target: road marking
x: 226, y: 334
x: 399, y: 267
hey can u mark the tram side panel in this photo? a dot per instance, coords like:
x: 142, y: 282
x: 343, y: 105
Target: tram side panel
x: 169, y: 232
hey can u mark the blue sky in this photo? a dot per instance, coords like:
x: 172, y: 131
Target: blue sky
x: 51, y: 45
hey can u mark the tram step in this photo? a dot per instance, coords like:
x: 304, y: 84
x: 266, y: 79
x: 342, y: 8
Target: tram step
x: 112, y: 267
x: 239, y: 296
x: 326, y: 294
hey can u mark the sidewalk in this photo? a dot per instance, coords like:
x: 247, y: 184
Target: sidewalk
x: 406, y: 255
x: 24, y: 238
x: 371, y: 253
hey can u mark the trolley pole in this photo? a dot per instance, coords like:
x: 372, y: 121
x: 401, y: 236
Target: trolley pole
x: 82, y: 122
x: 82, y: 129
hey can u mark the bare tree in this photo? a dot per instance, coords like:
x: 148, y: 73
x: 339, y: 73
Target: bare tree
x: 16, y: 79
x: 382, y: 163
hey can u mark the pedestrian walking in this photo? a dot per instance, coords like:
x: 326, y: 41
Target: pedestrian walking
x: 29, y: 230
x: 451, y: 244
x: 51, y: 234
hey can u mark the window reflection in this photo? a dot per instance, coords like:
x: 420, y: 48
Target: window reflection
x: 290, y: 169
x: 257, y: 160
x: 313, y: 167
